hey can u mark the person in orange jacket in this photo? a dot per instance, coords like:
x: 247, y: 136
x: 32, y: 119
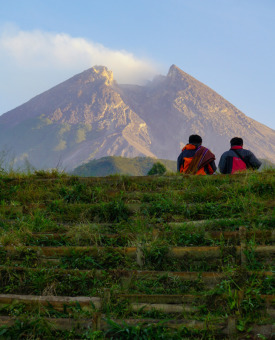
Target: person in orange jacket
x: 195, y: 159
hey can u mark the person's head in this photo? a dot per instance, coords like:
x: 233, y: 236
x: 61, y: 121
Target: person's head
x: 195, y: 140
x: 236, y: 141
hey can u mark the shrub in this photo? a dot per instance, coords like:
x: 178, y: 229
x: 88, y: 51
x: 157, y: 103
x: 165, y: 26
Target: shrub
x: 157, y: 169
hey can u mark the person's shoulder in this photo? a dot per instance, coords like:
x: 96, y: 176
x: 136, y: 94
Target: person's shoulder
x: 247, y: 152
x: 224, y: 154
x: 208, y: 149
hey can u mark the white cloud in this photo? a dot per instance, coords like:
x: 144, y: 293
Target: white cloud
x: 37, y: 49
x: 34, y: 61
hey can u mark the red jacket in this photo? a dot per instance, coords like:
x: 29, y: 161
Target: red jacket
x: 231, y: 162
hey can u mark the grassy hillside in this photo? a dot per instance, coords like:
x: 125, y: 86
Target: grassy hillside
x: 124, y: 257
x: 138, y: 166
x: 266, y: 164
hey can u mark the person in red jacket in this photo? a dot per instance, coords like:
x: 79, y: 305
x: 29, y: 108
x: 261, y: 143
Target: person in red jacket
x: 195, y: 159
x: 237, y: 158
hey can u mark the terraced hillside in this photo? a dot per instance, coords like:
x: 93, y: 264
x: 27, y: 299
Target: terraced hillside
x: 170, y: 257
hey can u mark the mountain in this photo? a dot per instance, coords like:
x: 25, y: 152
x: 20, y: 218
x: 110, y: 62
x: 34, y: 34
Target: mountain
x: 137, y: 166
x: 91, y: 116
x: 178, y: 105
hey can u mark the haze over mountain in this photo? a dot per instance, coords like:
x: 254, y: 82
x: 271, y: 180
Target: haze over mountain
x: 91, y: 116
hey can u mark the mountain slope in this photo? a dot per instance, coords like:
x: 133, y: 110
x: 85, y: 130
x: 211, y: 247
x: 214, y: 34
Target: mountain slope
x: 91, y: 116
x: 78, y: 120
x: 186, y: 106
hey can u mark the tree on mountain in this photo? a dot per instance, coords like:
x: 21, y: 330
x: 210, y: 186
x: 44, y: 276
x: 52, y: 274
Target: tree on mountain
x: 157, y: 169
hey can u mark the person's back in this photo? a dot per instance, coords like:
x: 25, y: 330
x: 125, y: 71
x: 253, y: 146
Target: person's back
x: 196, y: 159
x: 237, y: 158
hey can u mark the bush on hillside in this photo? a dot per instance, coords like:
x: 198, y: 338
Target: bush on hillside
x: 157, y: 169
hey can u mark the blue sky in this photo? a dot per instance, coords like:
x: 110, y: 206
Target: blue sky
x: 228, y: 45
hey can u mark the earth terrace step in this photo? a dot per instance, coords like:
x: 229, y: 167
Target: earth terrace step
x: 157, y: 226
x: 56, y: 302
x: 235, y: 235
x: 225, y: 327
x: 160, y: 298
x: 215, y: 235
x: 195, y: 253
x: 99, y: 322
x: 174, y: 224
x: 210, y: 279
x: 191, y: 324
x: 178, y: 298
x: 57, y: 236
x: 132, y: 196
x: 206, y: 224
x: 215, y: 252
x: 59, y: 226
x: 164, y: 307
x: 164, y: 303
x: 56, y: 252
x: 182, y: 303
x: 61, y: 324
x: 92, y: 209
x: 221, y: 223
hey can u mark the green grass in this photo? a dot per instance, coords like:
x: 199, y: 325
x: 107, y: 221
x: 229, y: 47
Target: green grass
x: 154, y: 214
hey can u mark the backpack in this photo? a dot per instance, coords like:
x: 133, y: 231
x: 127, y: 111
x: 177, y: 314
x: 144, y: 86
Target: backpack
x: 234, y: 164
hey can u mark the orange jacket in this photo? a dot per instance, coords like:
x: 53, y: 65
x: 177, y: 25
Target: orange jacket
x: 187, y: 155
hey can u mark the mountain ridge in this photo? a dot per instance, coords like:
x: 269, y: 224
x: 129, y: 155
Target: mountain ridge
x: 91, y: 116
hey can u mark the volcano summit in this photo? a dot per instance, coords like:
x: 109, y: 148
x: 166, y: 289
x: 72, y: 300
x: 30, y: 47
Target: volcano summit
x: 90, y: 116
